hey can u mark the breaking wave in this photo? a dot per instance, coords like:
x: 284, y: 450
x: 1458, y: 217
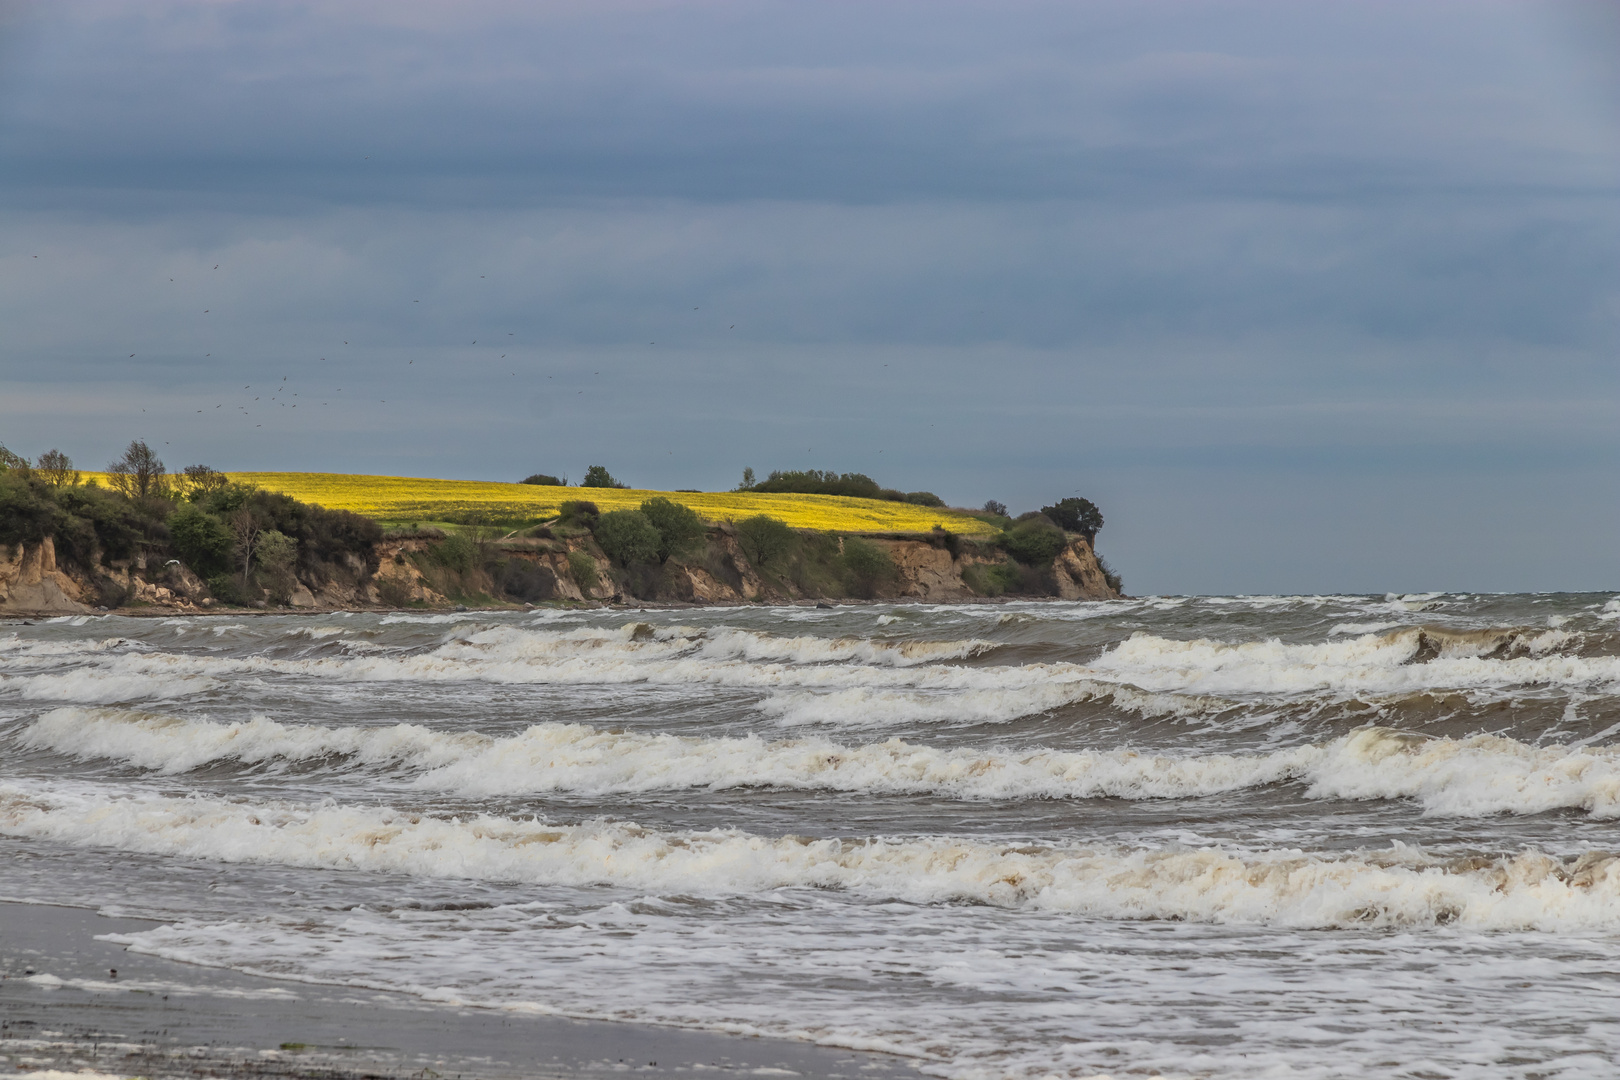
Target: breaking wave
x: 1468, y: 777
x: 1403, y: 661
x: 1399, y: 886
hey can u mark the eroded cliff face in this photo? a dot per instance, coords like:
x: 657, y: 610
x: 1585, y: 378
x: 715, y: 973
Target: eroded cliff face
x: 925, y: 570
x: 31, y: 582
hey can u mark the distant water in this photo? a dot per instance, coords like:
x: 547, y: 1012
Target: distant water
x: 1318, y: 836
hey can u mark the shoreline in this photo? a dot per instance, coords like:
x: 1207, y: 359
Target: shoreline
x: 64, y: 1009
x: 157, y: 612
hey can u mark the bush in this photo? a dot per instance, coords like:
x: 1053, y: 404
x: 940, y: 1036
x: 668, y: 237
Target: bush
x: 764, y: 540
x: 201, y: 541
x: 1115, y: 582
x: 393, y: 592
x: 924, y: 498
x: 1034, y: 542
x: 578, y: 512
x: 583, y: 569
x: 544, y: 480
x: 227, y: 589
x: 679, y: 527
x: 868, y: 565
x: 525, y: 581
x: 28, y: 510
x: 455, y: 552
x: 597, y: 476
x: 995, y: 579
x: 627, y: 536
x: 999, y: 509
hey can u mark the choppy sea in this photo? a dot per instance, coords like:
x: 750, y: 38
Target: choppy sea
x: 1301, y: 836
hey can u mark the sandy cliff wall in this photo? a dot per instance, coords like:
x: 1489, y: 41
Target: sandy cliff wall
x: 31, y: 582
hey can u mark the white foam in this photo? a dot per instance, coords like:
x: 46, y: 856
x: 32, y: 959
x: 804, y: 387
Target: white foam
x: 1370, y: 663
x: 1401, y: 886
x: 1468, y: 777
x: 579, y: 758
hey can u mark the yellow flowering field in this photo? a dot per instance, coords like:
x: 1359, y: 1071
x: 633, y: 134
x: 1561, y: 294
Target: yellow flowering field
x: 405, y: 499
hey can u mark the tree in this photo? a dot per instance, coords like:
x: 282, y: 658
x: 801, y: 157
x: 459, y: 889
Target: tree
x: 276, y: 555
x: 245, y: 530
x: 627, y: 537
x: 764, y: 539
x: 138, y: 473
x: 598, y: 476
x: 201, y: 540
x: 679, y: 528
x: 200, y: 482
x: 9, y: 461
x: 1076, y: 515
x: 991, y: 506
x: 56, y: 469
x: 544, y: 480
x: 748, y: 480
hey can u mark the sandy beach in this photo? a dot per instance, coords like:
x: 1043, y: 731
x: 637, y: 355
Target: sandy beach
x: 63, y: 1008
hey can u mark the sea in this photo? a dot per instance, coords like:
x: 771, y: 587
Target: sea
x: 1246, y: 836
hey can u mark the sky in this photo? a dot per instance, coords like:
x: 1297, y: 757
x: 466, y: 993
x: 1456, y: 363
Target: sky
x: 1306, y: 297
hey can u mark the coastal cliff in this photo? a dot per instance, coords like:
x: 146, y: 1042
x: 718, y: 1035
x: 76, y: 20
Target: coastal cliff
x: 413, y: 571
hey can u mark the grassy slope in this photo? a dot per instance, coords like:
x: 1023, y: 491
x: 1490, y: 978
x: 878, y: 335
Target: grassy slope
x: 403, y: 499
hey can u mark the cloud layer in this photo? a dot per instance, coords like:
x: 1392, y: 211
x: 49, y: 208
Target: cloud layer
x: 1299, y: 295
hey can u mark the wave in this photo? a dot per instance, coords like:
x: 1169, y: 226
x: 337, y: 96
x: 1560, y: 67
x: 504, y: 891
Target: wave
x: 1399, y: 886
x: 1409, y: 660
x: 1469, y: 777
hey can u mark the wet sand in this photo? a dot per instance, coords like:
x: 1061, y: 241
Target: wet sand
x: 62, y: 1008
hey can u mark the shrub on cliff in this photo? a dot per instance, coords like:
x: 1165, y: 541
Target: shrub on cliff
x: 579, y: 513
x: 456, y: 552
x: 679, y: 528
x: 764, y: 540
x: 627, y: 537
x: 28, y: 512
x: 993, y: 580
x: 583, y: 569
x: 201, y: 541
x: 1033, y: 542
x: 868, y: 565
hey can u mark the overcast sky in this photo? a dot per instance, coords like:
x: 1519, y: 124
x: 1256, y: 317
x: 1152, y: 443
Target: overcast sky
x: 1307, y: 297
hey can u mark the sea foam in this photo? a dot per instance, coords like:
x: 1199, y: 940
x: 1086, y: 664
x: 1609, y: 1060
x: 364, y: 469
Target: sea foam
x: 1475, y: 776
x: 1400, y: 886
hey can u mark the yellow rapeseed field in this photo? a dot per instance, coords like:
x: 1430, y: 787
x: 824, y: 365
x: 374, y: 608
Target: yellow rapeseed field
x: 406, y: 499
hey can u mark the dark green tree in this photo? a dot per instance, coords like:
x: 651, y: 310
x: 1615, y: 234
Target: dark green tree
x: 597, y: 476
x: 1076, y: 515
x: 201, y: 540
x: 679, y: 528
x: 627, y: 537
x: 764, y: 540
